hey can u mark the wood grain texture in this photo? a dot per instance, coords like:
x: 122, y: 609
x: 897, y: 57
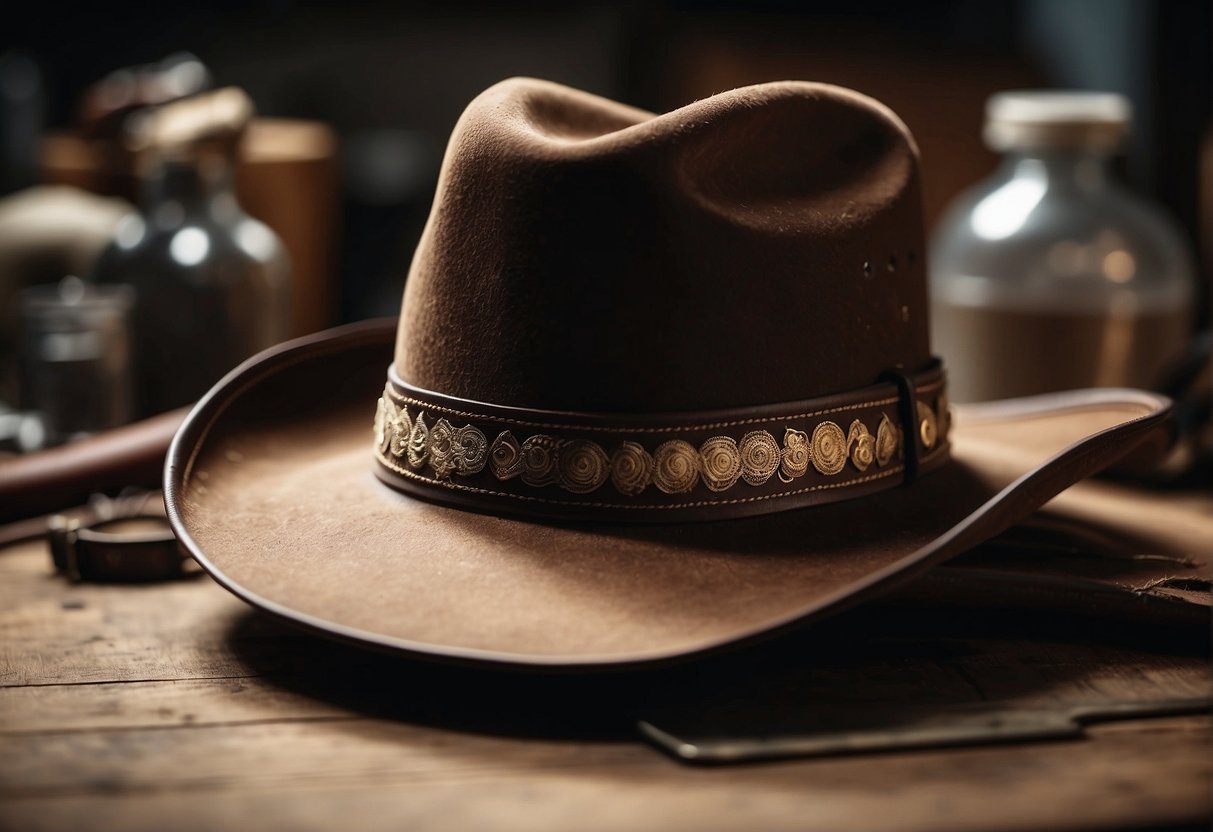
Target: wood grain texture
x: 377, y: 777
x: 176, y: 707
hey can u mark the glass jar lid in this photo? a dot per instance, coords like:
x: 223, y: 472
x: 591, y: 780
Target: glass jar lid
x: 1028, y: 119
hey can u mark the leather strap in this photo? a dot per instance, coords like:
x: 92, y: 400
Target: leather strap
x: 118, y: 540
x: 47, y: 481
x: 661, y: 467
x: 907, y: 398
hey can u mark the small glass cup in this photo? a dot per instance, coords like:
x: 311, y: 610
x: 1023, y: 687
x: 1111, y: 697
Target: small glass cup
x: 76, y: 357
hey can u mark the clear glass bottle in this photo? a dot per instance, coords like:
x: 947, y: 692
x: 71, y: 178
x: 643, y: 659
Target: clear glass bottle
x: 212, y: 283
x: 1050, y: 274
x: 75, y: 360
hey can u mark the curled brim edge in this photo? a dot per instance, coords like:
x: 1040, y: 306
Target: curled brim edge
x: 1020, y: 495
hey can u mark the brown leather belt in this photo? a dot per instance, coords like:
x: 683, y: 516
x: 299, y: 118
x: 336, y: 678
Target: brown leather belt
x: 124, y: 540
x: 661, y: 467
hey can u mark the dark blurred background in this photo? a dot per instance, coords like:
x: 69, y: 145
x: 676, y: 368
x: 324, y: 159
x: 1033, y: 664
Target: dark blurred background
x: 391, y: 79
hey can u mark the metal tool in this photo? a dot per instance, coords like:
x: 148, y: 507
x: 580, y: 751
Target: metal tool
x: 855, y: 729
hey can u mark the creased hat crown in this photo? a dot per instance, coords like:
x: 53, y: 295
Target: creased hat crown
x: 763, y: 245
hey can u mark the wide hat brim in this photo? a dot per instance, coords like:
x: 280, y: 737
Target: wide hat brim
x: 270, y: 485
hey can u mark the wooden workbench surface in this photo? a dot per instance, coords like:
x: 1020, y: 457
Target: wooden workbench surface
x: 175, y: 706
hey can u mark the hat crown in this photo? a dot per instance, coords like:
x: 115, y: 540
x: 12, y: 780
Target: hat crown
x: 763, y: 245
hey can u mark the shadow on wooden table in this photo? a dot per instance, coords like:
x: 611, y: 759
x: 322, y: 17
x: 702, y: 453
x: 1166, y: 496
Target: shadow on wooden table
x: 892, y: 657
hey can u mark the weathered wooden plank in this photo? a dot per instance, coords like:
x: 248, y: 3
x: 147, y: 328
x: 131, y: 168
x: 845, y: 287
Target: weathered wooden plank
x: 55, y: 632
x: 271, y: 753
x: 323, y: 681
x: 374, y: 775
x: 176, y: 703
x: 257, y: 727
x: 104, y: 653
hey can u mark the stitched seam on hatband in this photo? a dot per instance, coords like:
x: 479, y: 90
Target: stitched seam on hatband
x: 599, y: 429
x: 402, y: 398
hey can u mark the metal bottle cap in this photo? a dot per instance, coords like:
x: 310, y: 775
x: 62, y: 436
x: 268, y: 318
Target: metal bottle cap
x: 1026, y: 119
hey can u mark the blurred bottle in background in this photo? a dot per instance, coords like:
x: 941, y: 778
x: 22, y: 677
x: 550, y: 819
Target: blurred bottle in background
x: 212, y: 283
x: 75, y: 368
x: 1050, y: 274
x: 106, y: 103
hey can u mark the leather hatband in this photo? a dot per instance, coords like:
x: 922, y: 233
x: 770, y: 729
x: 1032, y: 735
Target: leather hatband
x: 660, y: 467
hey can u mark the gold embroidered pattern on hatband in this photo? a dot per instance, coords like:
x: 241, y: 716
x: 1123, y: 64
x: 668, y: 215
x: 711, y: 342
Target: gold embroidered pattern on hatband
x: 582, y: 466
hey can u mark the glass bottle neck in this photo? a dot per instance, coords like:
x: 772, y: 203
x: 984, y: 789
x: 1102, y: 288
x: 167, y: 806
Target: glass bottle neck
x: 1078, y: 168
x: 177, y: 190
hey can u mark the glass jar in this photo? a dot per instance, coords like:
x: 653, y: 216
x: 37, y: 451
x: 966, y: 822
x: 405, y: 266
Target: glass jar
x: 1050, y: 274
x: 212, y: 283
x: 75, y: 359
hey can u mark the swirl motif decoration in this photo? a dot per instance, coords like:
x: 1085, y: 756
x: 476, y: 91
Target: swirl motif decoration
x: 927, y: 429
x: 862, y: 444
x: 828, y: 448
x: 442, y: 448
x: 720, y: 462
x: 392, y: 427
x: 887, y: 441
x: 471, y: 447
x: 631, y: 468
x: 795, y: 459
x: 675, y: 466
x: 505, y: 457
x: 419, y: 437
x: 942, y: 414
x: 383, y: 432
x: 539, y: 460
x: 582, y: 466
x: 759, y: 456
x: 400, y: 428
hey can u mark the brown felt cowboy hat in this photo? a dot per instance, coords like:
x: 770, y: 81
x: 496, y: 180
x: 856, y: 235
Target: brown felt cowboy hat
x: 660, y: 384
